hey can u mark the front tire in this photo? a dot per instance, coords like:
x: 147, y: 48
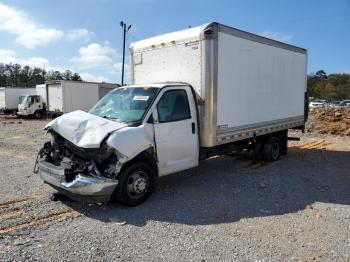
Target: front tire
x: 38, y: 114
x: 136, y: 183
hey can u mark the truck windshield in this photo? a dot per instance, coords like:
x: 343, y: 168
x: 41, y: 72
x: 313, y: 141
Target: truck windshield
x: 24, y: 100
x: 21, y: 99
x: 125, y: 104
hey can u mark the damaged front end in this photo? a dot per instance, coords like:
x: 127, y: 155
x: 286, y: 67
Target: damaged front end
x: 89, y: 173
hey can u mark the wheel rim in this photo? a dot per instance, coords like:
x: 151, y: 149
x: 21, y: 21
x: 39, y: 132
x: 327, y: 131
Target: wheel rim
x: 38, y: 115
x: 138, y: 183
x: 275, y: 150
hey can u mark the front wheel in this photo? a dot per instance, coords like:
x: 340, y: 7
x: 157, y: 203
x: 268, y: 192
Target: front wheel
x: 38, y: 114
x: 136, y: 183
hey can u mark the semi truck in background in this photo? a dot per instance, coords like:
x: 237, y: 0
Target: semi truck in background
x: 61, y: 96
x: 204, y: 91
x: 10, y: 97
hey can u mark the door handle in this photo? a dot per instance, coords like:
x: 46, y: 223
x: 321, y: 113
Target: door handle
x: 193, y: 128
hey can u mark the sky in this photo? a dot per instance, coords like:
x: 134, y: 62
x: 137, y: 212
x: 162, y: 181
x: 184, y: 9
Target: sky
x: 85, y: 36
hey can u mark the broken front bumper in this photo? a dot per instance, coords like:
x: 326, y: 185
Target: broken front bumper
x: 87, y: 186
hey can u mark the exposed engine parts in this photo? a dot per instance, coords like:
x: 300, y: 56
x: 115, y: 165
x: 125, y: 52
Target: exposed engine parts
x: 74, y: 160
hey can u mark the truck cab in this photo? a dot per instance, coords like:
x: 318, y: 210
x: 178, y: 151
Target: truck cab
x: 31, y: 105
x: 167, y: 112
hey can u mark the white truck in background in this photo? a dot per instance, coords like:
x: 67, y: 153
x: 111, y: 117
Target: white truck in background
x: 10, y: 97
x: 62, y: 96
x: 204, y: 91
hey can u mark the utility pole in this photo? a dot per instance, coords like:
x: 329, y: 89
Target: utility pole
x: 125, y: 30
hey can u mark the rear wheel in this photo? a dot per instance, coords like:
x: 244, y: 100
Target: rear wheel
x: 136, y: 183
x: 272, y: 149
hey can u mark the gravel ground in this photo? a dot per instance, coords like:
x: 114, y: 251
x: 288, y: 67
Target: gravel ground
x: 296, y: 209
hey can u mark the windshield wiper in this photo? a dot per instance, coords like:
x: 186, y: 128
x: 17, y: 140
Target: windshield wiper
x: 112, y: 118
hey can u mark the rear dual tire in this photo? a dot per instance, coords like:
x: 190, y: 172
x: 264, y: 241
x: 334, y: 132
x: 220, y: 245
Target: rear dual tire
x: 271, y: 150
x: 268, y: 151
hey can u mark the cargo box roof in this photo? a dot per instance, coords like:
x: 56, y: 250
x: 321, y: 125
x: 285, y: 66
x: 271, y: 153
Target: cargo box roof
x: 194, y: 33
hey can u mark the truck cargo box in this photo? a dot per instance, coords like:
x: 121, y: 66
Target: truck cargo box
x: 67, y: 96
x: 246, y: 85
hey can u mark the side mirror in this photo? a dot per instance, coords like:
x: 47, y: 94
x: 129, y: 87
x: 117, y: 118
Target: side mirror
x: 155, y: 116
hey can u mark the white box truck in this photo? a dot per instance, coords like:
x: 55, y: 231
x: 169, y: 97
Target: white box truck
x: 61, y: 96
x: 10, y: 97
x: 204, y: 91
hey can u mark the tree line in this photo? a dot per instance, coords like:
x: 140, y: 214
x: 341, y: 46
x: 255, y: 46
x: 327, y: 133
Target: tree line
x: 26, y: 76
x: 329, y: 87
x: 320, y: 85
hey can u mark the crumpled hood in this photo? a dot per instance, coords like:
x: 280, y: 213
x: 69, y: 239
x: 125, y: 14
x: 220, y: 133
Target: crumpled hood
x: 83, y: 129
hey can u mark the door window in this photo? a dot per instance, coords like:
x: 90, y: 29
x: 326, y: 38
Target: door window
x: 36, y: 99
x: 173, y: 106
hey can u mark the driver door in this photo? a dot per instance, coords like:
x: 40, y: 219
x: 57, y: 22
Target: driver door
x: 176, y: 131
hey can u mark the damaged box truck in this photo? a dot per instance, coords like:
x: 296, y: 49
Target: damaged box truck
x: 204, y: 91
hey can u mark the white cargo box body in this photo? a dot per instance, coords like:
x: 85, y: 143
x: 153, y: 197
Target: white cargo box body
x: 248, y: 85
x: 67, y: 96
x: 9, y: 96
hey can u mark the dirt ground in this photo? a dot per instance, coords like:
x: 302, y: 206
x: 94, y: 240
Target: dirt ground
x: 295, y: 209
x: 335, y: 121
